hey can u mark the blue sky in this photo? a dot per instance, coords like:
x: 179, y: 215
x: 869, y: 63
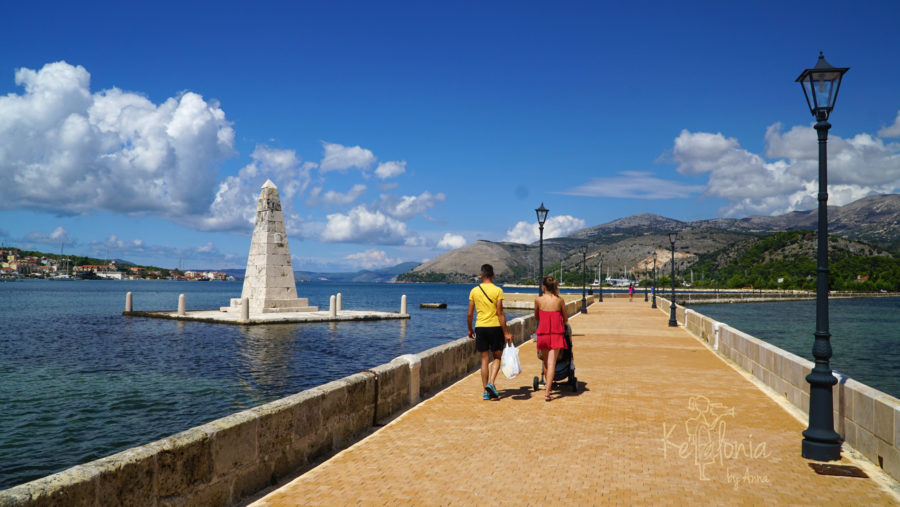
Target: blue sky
x: 396, y: 131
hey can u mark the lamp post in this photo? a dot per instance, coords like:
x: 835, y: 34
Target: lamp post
x: 600, y: 276
x: 820, y: 441
x: 673, y: 321
x: 541, y: 218
x: 653, y: 305
x: 645, y: 287
x: 583, y: 289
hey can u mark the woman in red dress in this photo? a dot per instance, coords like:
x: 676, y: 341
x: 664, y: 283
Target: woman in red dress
x: 550, y: 312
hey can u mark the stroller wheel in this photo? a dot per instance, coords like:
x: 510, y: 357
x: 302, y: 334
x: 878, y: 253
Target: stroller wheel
x: 573, y: 381
x: 535, y: 385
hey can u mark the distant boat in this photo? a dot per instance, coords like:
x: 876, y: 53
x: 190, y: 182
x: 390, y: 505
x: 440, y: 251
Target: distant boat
x: 65, y: 277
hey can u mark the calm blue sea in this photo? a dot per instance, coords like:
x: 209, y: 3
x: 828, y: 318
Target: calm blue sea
x: 79, y: 381
x: 865, y: 333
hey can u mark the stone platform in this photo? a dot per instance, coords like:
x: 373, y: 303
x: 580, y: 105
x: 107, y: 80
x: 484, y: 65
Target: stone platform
x: 220, y: 317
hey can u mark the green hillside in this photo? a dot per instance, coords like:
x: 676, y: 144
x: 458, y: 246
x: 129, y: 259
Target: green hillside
x: 787, y: 260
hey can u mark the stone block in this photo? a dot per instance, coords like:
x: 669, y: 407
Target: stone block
x: 251, y: 479
x: 233, y: 442
x: 19, y: 495
x: 183, y: 461
x: 889, y: 459
x: 307, y: 412
x: 276, y: 427
x: 334, y: 400
x: 76, y: 486
x: 884, y: 419
x: 127, y: 478
x: 361, y: 393
x: 848, y: 432
x: 863, y: 408
x: 867, y: 444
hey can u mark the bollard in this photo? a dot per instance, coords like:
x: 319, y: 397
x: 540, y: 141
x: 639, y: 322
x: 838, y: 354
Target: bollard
x: 339, y: 302
x: 181, y: 304
x: 332, y: 310
x: 403, y: 305
x: 127, y: 301
x: 415, y: 368
x: 245, y: 310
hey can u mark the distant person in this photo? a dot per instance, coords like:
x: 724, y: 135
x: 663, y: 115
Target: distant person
x: 490, y: 329
x: 550, y: 312
x: 630, y: 292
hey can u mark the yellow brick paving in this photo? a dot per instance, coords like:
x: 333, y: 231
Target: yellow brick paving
x: 659, y: 420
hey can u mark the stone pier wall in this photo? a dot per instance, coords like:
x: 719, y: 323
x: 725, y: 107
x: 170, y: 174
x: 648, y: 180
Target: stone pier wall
x: 867, y: 419
x: 232, y: 458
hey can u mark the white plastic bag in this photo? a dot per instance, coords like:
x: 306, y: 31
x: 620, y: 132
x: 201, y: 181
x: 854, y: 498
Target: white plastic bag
x: 509, y: 361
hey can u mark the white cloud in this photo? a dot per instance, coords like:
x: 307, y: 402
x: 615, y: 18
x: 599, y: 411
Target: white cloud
x: 634, y: 185
x: 361, y: 225
x: 371, y: 259
x: 554, y: 227
x: 59, y: 236
x: 234, y: 205
x: 892, y: 130
x: 857, y: 167
x: 67, y: 150
x: 451, y: 241
x: 340, y: 158
x: 337, y: 199
x: 387, y: 170
x: 408, y: 206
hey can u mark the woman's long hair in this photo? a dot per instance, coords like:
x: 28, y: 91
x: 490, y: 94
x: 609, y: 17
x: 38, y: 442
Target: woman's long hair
x: 551, y: 285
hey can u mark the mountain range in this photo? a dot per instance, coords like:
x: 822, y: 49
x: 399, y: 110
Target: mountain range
x: 629, y: 244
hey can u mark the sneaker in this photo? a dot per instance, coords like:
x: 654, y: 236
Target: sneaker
x: 492, y: 390
x: 487, y: 396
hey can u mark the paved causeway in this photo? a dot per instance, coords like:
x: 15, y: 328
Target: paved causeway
x: 659, y: 419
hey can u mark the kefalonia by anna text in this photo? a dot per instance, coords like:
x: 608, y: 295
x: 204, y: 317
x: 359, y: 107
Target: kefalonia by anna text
x: 703, y: 439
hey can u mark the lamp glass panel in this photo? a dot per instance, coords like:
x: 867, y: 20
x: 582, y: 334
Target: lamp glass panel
x: 809, y: 91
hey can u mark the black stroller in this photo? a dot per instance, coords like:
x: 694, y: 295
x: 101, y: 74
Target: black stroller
x: 565, y: 366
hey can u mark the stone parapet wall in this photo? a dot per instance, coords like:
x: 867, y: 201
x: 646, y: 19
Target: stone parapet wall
x: 232, y: 458
x: 867, y: 419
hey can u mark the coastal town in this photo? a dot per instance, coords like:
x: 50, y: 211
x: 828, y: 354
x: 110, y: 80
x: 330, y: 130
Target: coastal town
x: 16, y: 264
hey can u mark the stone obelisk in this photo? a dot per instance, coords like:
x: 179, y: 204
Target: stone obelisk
x: 269, y: 280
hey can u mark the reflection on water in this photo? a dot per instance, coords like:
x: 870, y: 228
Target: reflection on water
x: 264, y: 360
x: 404, y: 327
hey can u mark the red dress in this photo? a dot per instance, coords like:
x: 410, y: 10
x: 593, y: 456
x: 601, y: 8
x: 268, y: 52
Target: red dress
x: 551, y: 331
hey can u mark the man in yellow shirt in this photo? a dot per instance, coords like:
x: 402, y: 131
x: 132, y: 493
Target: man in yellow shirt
x: 490, y: 328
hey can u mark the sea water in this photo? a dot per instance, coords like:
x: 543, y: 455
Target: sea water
x: 865, y: 333
x: 79, y: 381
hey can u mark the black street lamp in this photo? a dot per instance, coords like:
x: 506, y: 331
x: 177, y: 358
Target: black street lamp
x: 653, y: 305
x: 583, y: 289
x: 820, y: 441
x: 673, y: 321
x: 600, y: 276
x: 541, y: 218
x: 645, y: 287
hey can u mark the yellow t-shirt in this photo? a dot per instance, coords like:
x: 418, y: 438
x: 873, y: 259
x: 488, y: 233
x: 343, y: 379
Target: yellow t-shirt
x: 486, y: 315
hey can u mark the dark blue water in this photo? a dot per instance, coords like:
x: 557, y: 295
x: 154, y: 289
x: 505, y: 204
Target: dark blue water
x: 865, y: 333
x: 79, y: 381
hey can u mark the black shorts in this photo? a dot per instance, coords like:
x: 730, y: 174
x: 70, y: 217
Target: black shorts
x: 489, y: 338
